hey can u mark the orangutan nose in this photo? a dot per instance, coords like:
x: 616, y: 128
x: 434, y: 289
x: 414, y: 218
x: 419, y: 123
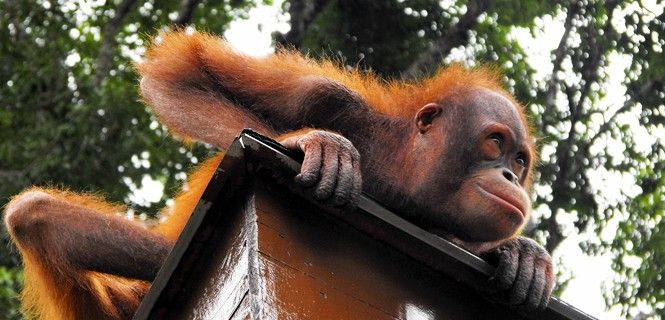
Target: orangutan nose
x: 509, y: 175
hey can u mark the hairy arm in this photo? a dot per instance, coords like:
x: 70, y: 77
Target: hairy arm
x: 74, y: 233
x: 202, y: 89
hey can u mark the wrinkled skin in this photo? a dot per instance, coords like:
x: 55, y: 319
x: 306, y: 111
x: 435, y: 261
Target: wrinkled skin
x: 331, y: 167
x: 523, y: 277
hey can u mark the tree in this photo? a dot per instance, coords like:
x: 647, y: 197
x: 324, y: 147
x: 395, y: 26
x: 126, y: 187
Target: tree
x: 578, y: 128
x: 71, y: 116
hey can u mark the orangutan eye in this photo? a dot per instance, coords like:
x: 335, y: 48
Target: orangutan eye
x: 497, y: 138
x: 521, y: 159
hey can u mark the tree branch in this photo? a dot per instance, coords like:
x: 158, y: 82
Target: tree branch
x: 627, y: 106
x: 456, y: 35
x: 109, y: 42
x: 565, y: 161
x: 302, y: 13
x: 185, y: 12
x: 559, y: 54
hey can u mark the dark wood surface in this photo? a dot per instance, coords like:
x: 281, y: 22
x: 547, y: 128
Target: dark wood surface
x: 270, y: 255
x: 314, y: 266
x: 253, y: 250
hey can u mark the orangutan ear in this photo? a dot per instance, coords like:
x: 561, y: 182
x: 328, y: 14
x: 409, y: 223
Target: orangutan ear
x: 426, y: 116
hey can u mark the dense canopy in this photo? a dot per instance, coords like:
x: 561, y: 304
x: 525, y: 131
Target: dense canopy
x: 591, y: 73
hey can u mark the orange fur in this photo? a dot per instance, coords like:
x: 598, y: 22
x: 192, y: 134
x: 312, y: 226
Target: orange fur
x: 87, y: 296
x: 178, y: 215
x: 178, y: 58
x: 53, y: 292
x: 50, y: 292
x: 175, y: 54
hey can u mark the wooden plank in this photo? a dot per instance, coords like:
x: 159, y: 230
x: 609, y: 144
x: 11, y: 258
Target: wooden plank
x: 314, y: 247
x: 210, y: 279
x: 291, y: 294
x: 305, y: 263
x: 243, y: 311
x: 375, y: 220
x: 218, y: 279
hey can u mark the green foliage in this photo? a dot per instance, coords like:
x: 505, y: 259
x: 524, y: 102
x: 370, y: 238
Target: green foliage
x: 520, y: 13
x: 66, y: 123
x: 56, y: 122
x: 384, y: 36
x: 638, y: 244
x: 10, y: 283
x: 62, y: 123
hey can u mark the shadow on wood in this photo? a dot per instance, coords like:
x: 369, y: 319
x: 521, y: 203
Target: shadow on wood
x: 253, y: 250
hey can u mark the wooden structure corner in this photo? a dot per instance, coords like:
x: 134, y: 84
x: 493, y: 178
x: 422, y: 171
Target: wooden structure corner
x: 254, y: 250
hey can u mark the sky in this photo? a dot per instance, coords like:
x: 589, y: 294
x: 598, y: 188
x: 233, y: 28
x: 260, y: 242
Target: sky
x: 253, y: 37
